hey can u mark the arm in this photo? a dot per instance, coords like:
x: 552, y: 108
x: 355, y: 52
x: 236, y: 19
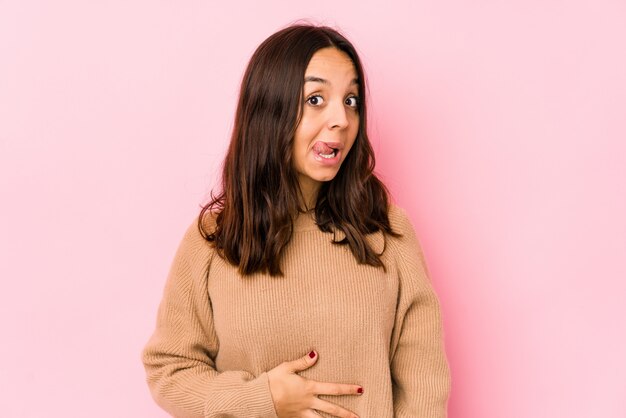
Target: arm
x: 419, y: 368
x: 179, y: 357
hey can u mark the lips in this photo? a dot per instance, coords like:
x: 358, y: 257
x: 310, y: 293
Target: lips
x: 327, y: 153
x: 322, y: 148
x: 326, y: 148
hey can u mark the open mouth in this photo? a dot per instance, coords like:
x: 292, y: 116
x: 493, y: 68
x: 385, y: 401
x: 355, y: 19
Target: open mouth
x: 332, y: 154
x: 326, y: 150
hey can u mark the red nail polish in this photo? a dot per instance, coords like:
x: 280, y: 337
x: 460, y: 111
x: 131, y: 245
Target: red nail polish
x: 312, y: 354
x: 360, y: 390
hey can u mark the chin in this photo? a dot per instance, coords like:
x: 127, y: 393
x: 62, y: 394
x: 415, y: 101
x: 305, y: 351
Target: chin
x: 324, y: 177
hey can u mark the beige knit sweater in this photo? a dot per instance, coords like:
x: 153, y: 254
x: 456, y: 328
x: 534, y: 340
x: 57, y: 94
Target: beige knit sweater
x: 217, y: 334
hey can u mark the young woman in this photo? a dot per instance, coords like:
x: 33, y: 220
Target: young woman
x: 300, y: 291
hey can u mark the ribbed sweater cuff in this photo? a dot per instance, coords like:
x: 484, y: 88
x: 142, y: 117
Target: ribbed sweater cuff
x: 262, y: 403
x: 252, y: 400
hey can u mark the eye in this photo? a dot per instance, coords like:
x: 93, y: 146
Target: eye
x: 352, y: 101
x: 315, y: 100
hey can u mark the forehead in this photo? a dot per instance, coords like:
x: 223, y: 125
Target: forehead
x: 331, y: 63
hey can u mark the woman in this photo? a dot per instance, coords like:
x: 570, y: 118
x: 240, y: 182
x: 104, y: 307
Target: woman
x: 300, y: 291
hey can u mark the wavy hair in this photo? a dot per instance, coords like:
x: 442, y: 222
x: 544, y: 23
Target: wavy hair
x: 260, y: 193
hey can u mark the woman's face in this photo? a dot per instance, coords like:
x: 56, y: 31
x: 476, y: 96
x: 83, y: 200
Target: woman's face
x: 330, y: 119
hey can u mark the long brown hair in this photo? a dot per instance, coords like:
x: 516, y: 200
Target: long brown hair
x: 260, y: 193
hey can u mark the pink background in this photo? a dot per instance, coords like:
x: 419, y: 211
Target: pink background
x: 499, y: 126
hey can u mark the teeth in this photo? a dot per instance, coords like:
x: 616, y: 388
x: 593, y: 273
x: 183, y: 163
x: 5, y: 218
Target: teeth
x: 328, y: 155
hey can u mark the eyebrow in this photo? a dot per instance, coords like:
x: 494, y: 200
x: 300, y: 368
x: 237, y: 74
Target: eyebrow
x: 315, y: 79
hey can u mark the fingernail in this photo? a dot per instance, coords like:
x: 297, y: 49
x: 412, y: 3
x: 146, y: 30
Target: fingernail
x: 312, y: 354
x: 360, y: 390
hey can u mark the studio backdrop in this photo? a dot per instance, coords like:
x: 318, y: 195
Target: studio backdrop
x: 498, y: 126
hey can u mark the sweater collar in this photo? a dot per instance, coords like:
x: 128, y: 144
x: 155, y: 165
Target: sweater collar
x: 306, y: 222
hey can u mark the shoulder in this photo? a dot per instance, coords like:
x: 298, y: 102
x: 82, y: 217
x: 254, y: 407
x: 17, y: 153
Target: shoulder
x: 399, y: 220
x: 407, y: 248
x: 194, y: 240
x: 206, y: 221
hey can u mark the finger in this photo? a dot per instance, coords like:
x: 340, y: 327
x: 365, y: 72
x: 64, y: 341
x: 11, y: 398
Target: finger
x: 331, y: 408
x: 325, y: 388
x: 303, y: 362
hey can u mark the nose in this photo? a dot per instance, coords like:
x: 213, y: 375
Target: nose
x: 337, y: 117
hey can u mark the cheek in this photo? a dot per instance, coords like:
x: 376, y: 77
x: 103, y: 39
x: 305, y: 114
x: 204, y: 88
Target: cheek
x: 300, y: 148
x: 305, y: 133
x: 302, y: 131
x: 300, y: 144
x: 354, y: 132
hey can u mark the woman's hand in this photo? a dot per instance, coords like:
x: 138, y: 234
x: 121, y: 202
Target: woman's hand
x: 296, y: 397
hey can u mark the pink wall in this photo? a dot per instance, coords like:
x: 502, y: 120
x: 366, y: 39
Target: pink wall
x: 499, y: 126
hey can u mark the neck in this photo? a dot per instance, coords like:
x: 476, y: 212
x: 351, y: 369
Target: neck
x: 309, y: 189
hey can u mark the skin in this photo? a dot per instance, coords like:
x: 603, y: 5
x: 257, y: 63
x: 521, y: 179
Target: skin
x: 330, y: 114
x: 295, y: 396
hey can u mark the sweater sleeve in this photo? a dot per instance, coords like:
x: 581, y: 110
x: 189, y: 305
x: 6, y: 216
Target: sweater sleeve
x: 419, y: 368
x: 179, y: 357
